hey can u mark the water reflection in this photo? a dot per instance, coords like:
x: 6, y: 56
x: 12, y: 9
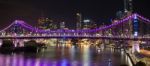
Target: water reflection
x: 86, y: 56
x: 68, y: 55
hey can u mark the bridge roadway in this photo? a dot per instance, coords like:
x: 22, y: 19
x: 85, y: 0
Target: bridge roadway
x: 92, y: 37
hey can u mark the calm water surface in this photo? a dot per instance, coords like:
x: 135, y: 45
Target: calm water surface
x: 85, y: 55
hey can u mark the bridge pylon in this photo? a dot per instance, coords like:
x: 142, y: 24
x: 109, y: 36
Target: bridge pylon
x: 135, y: 46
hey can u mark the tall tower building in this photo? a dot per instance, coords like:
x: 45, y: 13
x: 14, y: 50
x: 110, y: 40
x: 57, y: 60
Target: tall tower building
x: 126, y: 28
x: 128, y: 6
x: 79, y: 20
x: 46, y: 23
x: 62, y: 25
x: 128, y: 9
x: 86, y: 24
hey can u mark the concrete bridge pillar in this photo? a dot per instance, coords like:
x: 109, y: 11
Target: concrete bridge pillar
x: 15, y: 41
x: 18, y: 42
x: 21, y: 43
x: 135, y: 47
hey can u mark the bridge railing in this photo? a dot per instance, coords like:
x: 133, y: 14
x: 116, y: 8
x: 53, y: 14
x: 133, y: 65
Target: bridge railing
x: 72, y: 35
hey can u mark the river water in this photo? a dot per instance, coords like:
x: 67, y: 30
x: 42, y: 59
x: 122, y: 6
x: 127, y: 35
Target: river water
x: 68, y: 55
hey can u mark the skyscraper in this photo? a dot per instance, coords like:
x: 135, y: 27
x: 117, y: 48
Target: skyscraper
x: 62, y: 25
x: 79, y: 20
x: 128, y: 6
x: 46, y: 23
x: 86, y: 24
x: 125, y: 28
x: 128, y: 27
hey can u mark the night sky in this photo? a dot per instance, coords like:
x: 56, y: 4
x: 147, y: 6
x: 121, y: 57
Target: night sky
x: 98, y: 10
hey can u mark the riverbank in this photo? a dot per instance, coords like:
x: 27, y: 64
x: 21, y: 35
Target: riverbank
x: 146, y: 59
x: 134, y: 58
x: 131, y: 56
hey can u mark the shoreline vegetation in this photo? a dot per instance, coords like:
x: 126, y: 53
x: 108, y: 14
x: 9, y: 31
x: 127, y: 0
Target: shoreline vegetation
x: 29, y: 47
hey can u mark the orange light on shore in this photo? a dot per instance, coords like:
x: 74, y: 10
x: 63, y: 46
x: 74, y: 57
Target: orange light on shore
x: 145, y: 52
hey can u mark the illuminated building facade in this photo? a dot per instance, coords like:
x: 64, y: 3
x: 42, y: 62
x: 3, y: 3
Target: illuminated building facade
x: 126, y: 28
x: 62, y: 25
x: 46, y: 23
x: 79, y: 20
x: 86, y: 24
x: 128, y: 8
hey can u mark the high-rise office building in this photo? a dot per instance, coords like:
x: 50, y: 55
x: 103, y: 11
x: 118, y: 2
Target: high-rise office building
x: 86, y: 24
x: 127, y: 28
x: 79, y: 20
x: 46, y: 23
x: 128, y: 6
x: 62, y: 25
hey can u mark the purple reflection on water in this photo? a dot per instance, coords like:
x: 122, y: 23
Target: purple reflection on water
x: 66, y: 56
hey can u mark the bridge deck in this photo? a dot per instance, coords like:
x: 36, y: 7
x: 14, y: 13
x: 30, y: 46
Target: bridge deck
x: 92, y: 37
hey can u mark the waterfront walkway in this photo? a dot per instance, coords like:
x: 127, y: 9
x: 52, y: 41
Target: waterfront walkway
x: 135, y: 59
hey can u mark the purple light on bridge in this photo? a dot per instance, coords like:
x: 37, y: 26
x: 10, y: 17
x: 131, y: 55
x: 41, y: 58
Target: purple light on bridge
x: 7, y: 27
x: 143, y: 18
x: 37, y: 30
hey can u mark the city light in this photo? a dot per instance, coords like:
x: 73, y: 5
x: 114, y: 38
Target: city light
x: 34, y: 29
x: 87, y: 20
x: 70, y: 33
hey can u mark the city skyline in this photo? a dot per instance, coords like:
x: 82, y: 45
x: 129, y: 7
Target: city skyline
x: 99, y: 11
x: 74, y: 33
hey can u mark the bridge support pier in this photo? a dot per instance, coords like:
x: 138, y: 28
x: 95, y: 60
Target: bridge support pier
x: 135, y: 47
x: 18, y: 42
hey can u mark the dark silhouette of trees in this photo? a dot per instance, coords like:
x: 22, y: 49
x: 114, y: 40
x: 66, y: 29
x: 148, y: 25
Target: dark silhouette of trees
x: 140, y: 63
x: 7, y: 43
x: 7, y: 46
